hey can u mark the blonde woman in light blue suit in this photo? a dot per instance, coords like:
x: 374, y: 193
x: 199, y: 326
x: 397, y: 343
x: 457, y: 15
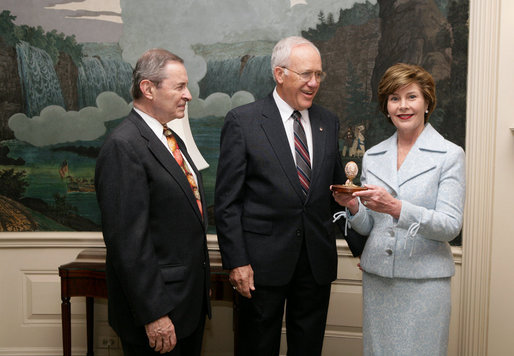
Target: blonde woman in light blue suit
x: 413, y: 207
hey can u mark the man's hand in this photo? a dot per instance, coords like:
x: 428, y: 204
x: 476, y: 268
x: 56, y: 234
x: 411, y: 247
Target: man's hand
x: 346, y: 200
x: 161, y: 335
x: 241, y: 279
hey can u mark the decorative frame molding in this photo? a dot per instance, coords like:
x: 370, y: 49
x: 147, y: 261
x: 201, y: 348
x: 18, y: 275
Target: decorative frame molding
x: 480, y: 152
x: 484, y: 20
x: 51, y: 239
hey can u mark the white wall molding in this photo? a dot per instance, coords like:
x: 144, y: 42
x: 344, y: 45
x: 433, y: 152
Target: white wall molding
x: 40, y: 351
x: 51, y: 239
x: 480, y: 152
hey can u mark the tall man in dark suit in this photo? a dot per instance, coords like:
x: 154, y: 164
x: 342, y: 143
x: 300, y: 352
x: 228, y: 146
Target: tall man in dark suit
x: 273, y: 206
x: 153, y: 219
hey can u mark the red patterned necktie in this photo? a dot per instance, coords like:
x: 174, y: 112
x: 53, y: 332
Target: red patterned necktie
x: 173, y: 145
x: 303, y: 161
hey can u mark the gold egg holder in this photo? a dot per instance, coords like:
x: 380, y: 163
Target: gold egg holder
x: 348, y: 189
x: 351, y: 170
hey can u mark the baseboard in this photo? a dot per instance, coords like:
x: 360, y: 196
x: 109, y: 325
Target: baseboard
x: 39, y: 351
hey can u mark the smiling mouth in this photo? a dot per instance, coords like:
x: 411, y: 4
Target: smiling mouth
x: 405, y: 116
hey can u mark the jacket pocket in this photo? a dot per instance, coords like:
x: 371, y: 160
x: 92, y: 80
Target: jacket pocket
x: 257, y: 226
x: 173, y: 273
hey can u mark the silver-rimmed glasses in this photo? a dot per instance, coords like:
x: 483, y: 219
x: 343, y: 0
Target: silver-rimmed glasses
x: 306, y: 76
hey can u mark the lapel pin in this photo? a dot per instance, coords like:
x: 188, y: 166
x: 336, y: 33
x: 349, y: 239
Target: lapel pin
x: 321, y: 128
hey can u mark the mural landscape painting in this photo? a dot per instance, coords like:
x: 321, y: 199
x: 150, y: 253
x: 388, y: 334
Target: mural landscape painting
x: 61, y: 97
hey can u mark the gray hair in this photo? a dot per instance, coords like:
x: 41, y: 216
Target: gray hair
x: 150, y: 66
x: 282, y: 50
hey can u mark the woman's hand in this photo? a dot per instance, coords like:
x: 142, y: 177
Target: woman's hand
x: 380, y: 200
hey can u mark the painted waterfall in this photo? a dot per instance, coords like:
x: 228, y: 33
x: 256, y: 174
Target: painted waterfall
x: 61, y: 96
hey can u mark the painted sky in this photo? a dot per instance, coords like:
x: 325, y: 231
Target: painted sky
x: 171, y: 24
x: 179, y: 25
x: 88, y: 20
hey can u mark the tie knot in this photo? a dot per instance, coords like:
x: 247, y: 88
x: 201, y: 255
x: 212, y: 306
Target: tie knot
x: 166, y: 130
x: 296, y: 115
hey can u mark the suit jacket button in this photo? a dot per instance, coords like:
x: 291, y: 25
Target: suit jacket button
x: 389, y: 251
x: 298, y: 233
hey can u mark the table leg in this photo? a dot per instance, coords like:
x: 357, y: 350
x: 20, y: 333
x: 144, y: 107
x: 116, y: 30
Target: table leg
x: 90, y: 322
x: 66, y: 326
x: 235, y: 323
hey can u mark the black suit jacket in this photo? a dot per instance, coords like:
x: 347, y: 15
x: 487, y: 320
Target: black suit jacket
x: 262, y: 215
x: 157, y: 259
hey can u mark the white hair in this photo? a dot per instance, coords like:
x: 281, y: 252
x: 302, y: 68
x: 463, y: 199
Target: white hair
x: 282, y: 50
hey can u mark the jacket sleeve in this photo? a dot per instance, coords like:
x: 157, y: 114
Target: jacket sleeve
x: 444, y: 221
x: 229, y: 193
x: 355, y: 240
x: 124, y: 199
x: 362, y: 221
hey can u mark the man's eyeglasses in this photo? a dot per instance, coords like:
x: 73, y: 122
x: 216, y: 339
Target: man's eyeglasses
x: 306, y: 76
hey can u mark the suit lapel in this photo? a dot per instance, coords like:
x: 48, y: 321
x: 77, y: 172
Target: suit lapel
x: 274, y: 129
x: 199, y: 182
x: 420, y: 158
x: 168, y: 162
x: 382, y: 159
x: 381, y: 162
x: 319, y: 138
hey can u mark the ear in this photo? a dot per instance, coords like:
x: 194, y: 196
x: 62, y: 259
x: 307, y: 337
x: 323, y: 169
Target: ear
x: 147, y: 88
x: 278, y: 73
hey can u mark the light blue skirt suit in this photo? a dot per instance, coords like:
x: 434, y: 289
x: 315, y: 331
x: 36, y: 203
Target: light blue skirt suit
x: 408, y: 262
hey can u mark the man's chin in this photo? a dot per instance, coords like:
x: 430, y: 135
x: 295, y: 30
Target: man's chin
x: 306, y: 105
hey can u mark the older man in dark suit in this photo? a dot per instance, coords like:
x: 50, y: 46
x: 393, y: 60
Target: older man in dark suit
x: 278, y: 158
x: 153, y: 218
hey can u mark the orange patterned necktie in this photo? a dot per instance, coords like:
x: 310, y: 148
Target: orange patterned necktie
x: 173, y: 145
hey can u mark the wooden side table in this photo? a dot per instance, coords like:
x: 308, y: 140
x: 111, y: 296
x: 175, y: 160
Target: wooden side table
x: 83, y: 277
x: 86, y: 277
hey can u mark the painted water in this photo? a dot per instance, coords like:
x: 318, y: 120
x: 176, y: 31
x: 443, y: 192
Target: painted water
x: 230, y: 75
x: 97, y: 75
x: 40, y: 87
x: 42, y: 166
x: 102, y: 69
x: 206, y: 132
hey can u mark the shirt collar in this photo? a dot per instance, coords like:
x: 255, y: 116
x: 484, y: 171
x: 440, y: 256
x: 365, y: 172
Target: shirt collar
x: 153, y: 123
x: 285, y: 109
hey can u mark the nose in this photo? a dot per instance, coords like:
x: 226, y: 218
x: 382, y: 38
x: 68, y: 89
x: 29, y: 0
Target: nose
x: 187, y: 95
x: 313, y: 81
x: 403, y: 103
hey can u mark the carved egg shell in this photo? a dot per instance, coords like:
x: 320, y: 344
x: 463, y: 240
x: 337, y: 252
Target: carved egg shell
x: 351, y: 169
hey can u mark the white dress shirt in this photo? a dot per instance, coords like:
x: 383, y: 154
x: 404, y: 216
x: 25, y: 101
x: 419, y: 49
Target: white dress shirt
x: 156, y: 127
x: 285, y: 113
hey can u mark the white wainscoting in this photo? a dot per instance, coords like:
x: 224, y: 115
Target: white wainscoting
x: 30, y: 303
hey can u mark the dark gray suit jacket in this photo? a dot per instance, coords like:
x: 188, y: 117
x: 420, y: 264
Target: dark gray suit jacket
x: 262, y: 215
x: 157, y: 259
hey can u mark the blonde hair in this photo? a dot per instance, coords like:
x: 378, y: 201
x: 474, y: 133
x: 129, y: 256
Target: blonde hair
x: 400, y: 75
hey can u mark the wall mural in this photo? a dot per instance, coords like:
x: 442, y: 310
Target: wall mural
x: 66, y: 69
